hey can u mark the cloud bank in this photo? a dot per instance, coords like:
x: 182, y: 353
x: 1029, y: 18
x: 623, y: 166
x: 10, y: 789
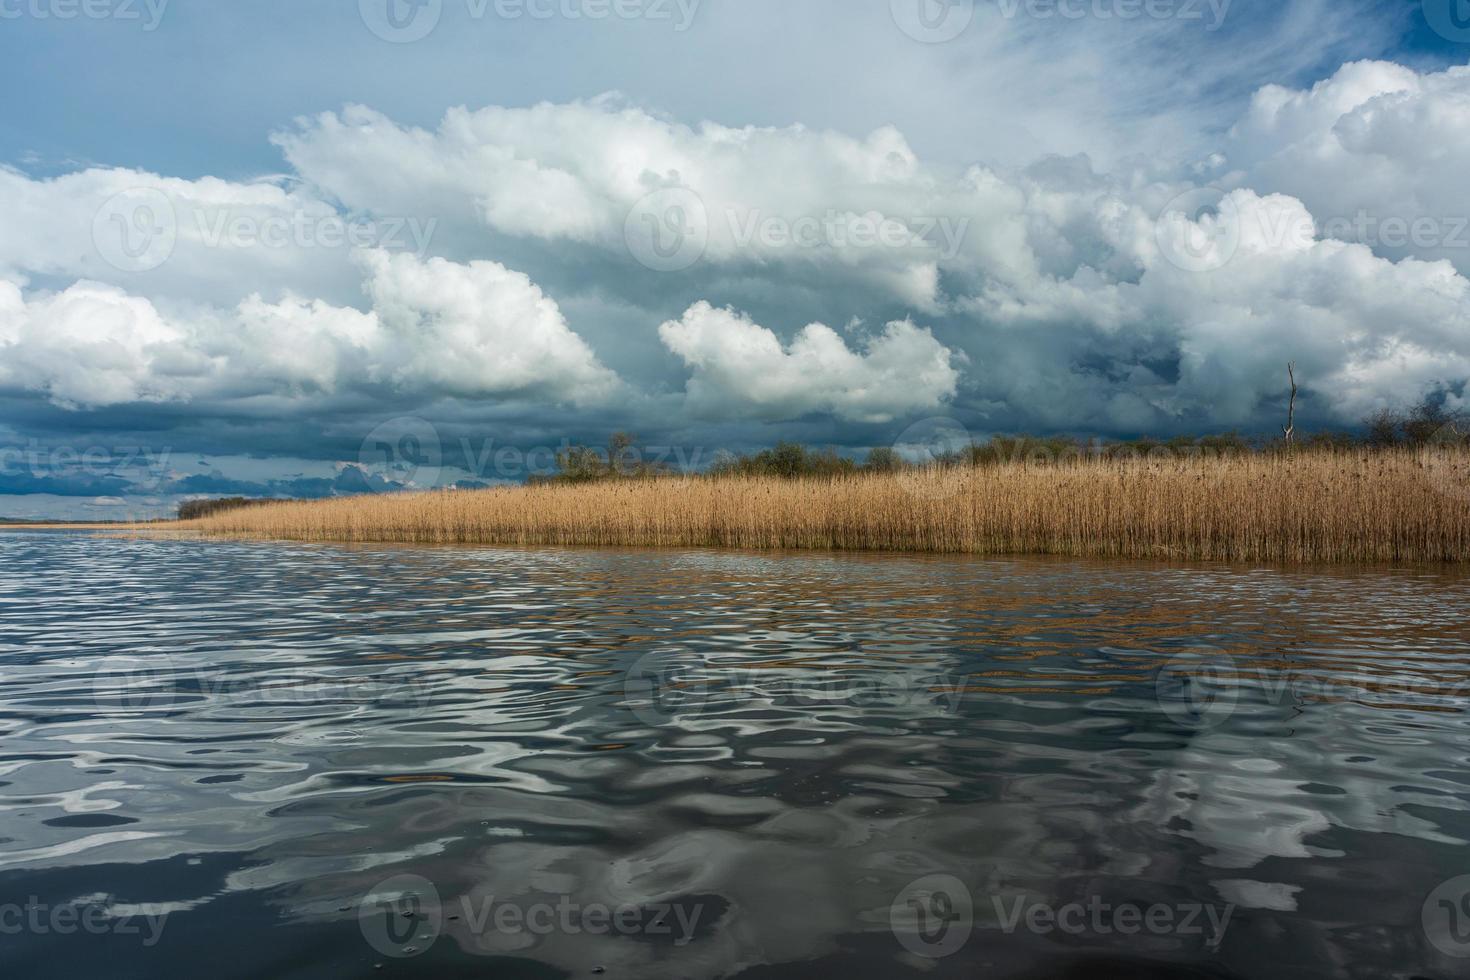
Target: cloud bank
x: 590, y: 265
x: 435, y: 328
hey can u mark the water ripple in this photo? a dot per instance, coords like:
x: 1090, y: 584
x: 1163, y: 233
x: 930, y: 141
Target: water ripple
x: 253, y: 736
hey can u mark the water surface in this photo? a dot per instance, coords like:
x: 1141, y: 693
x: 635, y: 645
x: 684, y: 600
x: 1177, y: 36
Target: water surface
x: 258, y: 759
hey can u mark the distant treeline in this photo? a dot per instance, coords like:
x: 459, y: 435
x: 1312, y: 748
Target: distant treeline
x: 191, y: 510
x: 1425, y: 424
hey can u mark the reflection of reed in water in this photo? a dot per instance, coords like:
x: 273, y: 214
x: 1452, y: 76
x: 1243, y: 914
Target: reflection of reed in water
x: 794, y: 803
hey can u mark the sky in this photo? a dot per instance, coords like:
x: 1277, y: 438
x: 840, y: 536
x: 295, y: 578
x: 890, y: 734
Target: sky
x: 281, y: 248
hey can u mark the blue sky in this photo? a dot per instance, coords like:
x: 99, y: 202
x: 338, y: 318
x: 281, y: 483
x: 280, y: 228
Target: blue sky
x: 975, y: 226
x: 202, y: 91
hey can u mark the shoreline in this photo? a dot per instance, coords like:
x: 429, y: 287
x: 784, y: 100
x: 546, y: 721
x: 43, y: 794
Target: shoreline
x: 77, y: 525
x: 1326, y: 509
x: 1313, y: 509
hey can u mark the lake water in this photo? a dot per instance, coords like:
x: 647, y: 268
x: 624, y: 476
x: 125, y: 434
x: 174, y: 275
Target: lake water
x: 255, y: 759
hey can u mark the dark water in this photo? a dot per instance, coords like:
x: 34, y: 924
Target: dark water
x: 242, y: 759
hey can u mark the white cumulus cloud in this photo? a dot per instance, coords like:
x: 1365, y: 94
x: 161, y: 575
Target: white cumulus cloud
x: 435, y: 329
x: 1377, y: 151
x: 1054, y: 278
x: 741, y: 368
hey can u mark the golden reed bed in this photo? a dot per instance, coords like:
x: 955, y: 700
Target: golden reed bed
x: 1311, y: 507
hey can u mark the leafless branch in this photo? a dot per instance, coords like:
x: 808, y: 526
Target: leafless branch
x: 1290, y: 430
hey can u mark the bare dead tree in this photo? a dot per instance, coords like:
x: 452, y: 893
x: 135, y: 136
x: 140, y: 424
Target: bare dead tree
x: 1290, y: 430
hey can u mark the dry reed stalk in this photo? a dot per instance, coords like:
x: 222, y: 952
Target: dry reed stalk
x: 1304, y: 508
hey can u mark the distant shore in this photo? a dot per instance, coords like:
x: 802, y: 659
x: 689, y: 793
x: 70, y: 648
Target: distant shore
x: 74, y: 525
x: 1319, y: 507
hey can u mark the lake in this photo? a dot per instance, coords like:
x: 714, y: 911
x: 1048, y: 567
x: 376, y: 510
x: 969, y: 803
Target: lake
x: 245, y: 759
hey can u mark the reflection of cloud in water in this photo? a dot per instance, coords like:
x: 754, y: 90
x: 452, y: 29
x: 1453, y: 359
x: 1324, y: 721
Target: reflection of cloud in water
x: 1023, y: 753
x: 1245, y: 808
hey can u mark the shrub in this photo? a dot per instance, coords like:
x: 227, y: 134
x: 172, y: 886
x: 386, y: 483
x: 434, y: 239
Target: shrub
x: 193, y: 509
